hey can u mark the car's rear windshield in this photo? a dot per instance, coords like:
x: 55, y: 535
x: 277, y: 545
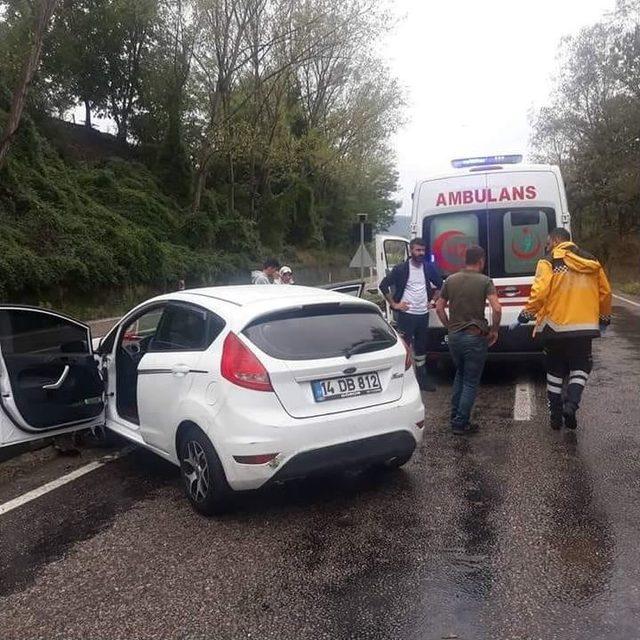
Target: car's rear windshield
x: 321, y: 331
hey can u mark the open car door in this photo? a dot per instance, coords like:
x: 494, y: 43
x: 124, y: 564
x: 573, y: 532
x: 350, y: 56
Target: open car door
x: 49, y: 380
x: 353, y: 288
x: 390, y: 251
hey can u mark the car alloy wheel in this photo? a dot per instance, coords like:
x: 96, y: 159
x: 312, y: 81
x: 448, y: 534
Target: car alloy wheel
x: 196, y: 471
x: 202, y: 473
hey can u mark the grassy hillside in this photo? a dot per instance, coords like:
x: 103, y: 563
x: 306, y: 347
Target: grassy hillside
x: 80, y: 215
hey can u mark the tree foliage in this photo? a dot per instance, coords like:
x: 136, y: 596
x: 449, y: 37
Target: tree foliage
x: 264, y: 123
x: 591, y: 127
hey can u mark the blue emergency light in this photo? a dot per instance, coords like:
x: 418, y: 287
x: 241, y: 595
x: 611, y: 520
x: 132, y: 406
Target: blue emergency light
x: 463, y: 163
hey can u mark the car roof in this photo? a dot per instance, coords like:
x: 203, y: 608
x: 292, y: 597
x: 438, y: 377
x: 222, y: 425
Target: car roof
x: 243, y: 303
x: 251, y: 294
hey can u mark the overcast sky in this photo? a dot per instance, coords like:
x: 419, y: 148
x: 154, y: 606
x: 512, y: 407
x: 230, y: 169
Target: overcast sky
x: 472, y: 71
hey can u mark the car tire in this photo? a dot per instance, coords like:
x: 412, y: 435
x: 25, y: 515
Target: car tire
x: 202, y: 474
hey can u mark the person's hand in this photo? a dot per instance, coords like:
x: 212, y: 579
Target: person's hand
x: 400, y: 306
x: 492, y: 338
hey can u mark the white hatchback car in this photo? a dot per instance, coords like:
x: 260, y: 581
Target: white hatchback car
x: 239, y: 386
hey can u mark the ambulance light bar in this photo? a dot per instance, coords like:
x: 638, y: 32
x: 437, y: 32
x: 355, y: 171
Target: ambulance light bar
x: 463, y: 163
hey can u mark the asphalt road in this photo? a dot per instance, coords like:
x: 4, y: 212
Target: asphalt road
x: 515, y: 533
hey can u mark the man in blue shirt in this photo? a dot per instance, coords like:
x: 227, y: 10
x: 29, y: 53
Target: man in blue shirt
x: 415, y: 284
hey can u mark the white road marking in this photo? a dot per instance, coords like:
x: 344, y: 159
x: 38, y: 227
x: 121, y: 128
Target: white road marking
x: 59, y: 482
x: 523, y: 402
x: 617, y: 297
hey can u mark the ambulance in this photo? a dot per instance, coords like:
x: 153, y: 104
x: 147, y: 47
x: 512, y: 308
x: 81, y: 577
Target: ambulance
x: 506, y: 207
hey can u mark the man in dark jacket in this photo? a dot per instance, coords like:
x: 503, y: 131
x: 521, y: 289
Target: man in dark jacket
x: 409, y: 289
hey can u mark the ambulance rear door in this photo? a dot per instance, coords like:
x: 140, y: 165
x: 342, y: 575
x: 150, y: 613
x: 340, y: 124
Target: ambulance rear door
x: 390, y: 251
x: 523, y: 207
x: 450, y: 213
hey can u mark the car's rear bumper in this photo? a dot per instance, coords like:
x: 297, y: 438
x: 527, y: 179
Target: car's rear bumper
x: 256, y: 424
x: 347, y: 455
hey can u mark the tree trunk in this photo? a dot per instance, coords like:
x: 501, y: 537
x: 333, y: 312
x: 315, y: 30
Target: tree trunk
x: 43, y: 17
x: 232, y: 185
x: 87, y: 116
x: 198, y: 187
x: 123, y: 131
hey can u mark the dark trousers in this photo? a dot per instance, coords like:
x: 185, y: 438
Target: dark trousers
x: 469, y: 354
x: 569, y: 363
x: 413, y: 329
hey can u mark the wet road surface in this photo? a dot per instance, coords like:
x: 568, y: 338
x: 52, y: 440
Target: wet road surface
x: 517, y: 532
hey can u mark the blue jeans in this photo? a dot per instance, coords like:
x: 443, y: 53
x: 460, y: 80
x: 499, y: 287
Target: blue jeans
x: 469, y: 354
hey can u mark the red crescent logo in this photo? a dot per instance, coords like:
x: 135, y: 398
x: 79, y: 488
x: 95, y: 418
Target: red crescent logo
x: 527, y: 255
x: 449, y: 254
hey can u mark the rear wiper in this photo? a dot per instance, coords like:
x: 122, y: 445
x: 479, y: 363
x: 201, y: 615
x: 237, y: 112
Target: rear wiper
x: 361, y: 346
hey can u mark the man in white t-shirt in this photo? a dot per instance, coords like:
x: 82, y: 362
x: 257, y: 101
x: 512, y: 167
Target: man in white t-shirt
x: 415, y: 283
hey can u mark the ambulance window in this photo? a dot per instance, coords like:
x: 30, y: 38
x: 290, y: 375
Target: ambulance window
x: 449, y: 235
x: 525, y: 233
x: 395, y: 252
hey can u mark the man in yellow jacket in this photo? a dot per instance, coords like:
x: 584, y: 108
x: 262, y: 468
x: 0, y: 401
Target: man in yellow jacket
x: 571, y: 304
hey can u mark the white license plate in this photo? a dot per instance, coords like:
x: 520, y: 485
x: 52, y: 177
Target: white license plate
x: 346, y: 387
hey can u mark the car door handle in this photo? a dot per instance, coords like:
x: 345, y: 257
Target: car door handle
x: 180, y: 369
x: 57, y: 385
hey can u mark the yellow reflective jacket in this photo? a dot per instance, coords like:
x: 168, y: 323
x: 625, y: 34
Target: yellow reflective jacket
x: 570, y: 296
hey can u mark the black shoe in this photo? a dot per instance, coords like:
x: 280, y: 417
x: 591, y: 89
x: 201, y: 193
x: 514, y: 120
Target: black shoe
x: 569, y: 415
x: 427, y: 385
x: 556, y: 423
x: 424, y: 381
x: 467, y: 429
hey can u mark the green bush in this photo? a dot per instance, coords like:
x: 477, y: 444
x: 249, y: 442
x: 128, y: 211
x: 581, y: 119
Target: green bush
x: 71, y: 231
x: 632, y: 288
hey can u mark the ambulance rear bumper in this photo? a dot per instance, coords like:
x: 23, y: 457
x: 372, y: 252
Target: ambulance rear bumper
x: 511, y: 344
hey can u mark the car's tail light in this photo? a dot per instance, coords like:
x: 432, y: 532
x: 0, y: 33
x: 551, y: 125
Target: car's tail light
x: 240, y: 366
x: 408, y: 359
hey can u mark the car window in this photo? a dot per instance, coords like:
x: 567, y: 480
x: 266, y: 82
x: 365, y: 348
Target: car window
x: 327, y: 331
x: 24, y: 331
x: 354, y: 289
x: 186, y: 328
x: 139, y: 332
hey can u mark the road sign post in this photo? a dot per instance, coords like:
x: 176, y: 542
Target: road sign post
x: 362, y: 219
